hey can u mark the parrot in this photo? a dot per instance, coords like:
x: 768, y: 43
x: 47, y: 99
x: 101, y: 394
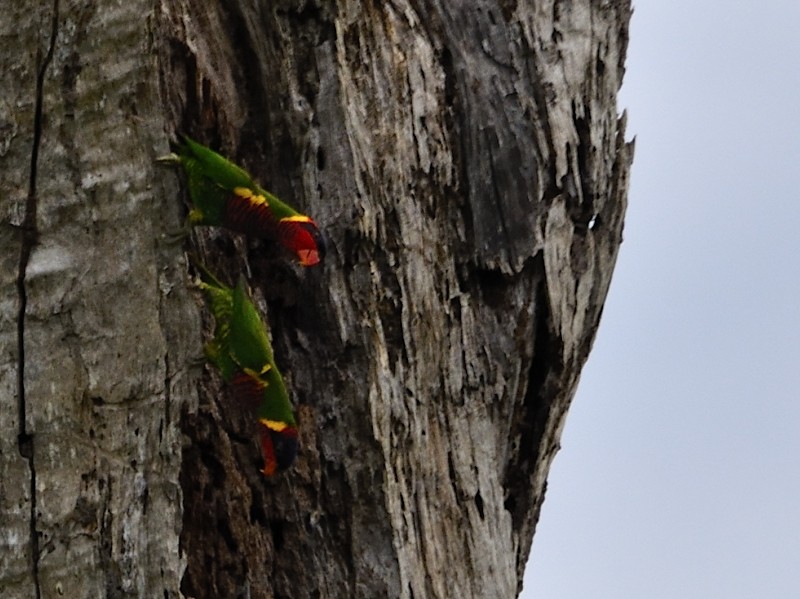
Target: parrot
x: 242, y: 352
x: 224, y: 194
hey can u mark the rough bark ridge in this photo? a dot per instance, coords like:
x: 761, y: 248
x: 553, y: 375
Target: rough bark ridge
x: 469, y: 166
x: 96, y: 319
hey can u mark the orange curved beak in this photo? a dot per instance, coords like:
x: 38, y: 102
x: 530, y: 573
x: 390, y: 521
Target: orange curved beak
x: 308, y: 257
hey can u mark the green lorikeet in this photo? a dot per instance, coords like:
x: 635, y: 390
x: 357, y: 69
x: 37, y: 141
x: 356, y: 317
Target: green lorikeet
x: 242, y: 352
x: 225, y: 195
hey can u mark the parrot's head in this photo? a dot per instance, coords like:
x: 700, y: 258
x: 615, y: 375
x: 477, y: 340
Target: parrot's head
x: 301, y: 235
x: 278, y: 445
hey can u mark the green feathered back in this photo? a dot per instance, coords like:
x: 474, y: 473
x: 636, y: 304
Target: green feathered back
x: 241, y: 343
x: 212, y: 178
x: 215, y: 167
x: 249, y: 343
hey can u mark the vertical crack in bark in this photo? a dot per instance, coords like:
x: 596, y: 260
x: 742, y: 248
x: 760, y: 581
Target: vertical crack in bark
x: 28, y: 241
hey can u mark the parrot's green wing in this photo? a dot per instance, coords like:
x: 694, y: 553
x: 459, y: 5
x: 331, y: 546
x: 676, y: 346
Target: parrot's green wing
x: 215, y: 167
x: 242, y: 351
x: 249, y: 342
x: 252, y: 350
x: 275, y: 406
x: 240, y: 339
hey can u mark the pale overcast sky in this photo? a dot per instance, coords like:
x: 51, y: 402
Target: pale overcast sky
x: 679, y: 474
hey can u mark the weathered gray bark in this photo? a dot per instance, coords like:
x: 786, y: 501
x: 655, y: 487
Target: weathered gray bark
x: 469, y: 166
x: 90, y: 449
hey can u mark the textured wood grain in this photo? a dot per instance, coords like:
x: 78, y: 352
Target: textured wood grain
x: 468, y: 164
x: 107, y: 321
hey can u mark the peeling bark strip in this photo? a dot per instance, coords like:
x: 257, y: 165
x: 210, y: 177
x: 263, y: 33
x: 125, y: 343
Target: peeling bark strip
x: 469, y: 166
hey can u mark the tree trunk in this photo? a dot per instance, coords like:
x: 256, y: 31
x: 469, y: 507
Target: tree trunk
x: 468, y: 165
